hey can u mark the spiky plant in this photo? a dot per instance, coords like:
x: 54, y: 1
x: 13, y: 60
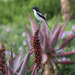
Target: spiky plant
x: 43, y: 44
x: 13, y: 66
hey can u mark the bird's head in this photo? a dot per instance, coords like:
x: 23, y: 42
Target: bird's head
x: 35, y: 8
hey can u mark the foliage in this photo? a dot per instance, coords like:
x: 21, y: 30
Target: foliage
x: 13, y: 16
x: 73, y: 8
x: 45, y: 42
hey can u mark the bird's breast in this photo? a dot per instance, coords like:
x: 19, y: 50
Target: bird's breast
x: 37, y: 16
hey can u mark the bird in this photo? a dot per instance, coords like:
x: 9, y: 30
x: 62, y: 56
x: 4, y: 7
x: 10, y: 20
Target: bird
x: 39, y: 15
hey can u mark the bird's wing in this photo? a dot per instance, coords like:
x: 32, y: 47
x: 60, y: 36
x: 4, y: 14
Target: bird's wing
x: 41, y: 15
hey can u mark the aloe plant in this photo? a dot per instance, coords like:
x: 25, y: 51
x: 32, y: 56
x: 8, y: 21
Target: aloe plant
x: 13, y: 66
x: 42, y: 44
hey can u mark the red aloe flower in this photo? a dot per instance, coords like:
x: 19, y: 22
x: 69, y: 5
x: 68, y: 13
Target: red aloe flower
x: 3, y: 59
x: 36, y: 49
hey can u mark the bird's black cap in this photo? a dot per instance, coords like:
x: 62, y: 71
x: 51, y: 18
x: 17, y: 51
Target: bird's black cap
x: 36, y: 8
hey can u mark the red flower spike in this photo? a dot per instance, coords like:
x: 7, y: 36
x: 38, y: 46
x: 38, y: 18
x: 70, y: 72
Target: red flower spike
x: 3, y: 44
x: 2, y: 59
x: 36, y: 49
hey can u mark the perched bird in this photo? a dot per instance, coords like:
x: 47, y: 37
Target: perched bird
x: 39, y: 16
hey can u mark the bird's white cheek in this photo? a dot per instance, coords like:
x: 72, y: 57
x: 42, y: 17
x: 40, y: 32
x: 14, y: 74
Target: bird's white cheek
x: 34, y: 12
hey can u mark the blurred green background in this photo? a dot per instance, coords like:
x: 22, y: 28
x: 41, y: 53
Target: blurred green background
x: 13, y: 16
x: 15, y: 11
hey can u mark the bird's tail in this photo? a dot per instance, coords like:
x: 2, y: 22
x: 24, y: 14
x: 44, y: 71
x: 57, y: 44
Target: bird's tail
x: 46, y: 22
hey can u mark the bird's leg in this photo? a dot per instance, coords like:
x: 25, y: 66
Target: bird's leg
x: 39, y: 23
